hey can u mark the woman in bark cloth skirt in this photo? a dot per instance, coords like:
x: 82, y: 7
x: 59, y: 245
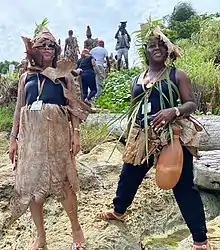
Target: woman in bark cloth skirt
x: 42, y: 146
x: 154, y: 108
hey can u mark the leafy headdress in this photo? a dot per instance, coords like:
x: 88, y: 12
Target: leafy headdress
x: 155, y: 29
x: 41, y: 34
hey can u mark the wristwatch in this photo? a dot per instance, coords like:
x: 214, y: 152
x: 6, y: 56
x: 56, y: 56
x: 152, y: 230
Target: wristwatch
x: 177, y: 111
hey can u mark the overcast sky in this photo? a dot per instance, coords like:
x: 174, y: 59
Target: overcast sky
x: 18, y: 18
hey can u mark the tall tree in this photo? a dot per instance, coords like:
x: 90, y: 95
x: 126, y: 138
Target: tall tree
x: 182, y: 12
x: 183, y: 20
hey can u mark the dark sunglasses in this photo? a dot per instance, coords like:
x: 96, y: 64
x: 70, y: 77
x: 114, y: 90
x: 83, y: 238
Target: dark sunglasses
x: 49, y: 45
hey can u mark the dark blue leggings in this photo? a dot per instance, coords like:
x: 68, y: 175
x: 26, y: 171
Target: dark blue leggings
x: 88, y: 82
x: 185, y: 192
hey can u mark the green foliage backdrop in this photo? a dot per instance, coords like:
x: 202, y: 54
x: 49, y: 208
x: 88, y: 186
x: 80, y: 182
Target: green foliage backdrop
x: 116, y: 94
x: 4, y: 66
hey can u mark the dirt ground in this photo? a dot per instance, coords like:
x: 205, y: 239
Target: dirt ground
x: 153, y: 211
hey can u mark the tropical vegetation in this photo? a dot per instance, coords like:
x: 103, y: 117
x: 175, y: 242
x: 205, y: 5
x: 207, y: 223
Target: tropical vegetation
x: 198, y: 38
x: 196, y: 34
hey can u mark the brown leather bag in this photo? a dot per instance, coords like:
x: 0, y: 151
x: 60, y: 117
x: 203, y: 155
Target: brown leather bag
x: 170, y: 162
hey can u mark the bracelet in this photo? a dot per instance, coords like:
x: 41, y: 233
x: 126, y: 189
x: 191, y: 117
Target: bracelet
x: 76, y: 129
x: 13, y: 136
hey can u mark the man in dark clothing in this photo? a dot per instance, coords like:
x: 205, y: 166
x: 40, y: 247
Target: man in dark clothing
x: 122, y: 45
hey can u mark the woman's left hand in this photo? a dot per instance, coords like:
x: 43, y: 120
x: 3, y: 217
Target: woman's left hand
x: 102, y: 76
x: 75, y: 143
x: 162, y: 118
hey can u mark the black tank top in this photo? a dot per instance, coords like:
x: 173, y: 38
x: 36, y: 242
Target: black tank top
x: 154, y: 97
x: 85, y: 63
x: 52, y: 93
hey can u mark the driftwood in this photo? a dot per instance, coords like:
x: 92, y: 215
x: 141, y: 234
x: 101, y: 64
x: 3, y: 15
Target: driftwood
x: 207, y: 170
x: 207, y: 143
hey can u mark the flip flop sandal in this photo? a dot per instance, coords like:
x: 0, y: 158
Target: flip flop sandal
x: 202, y: 247
x: 109, y: 215
x: 77, y: 246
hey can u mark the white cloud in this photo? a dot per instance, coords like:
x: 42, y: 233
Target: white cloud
x: 59, y: 3
x: 103, y: 16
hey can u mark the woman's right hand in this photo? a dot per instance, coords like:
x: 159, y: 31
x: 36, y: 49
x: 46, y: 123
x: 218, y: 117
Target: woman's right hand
x: 13, y: 149
x: 79, y: 71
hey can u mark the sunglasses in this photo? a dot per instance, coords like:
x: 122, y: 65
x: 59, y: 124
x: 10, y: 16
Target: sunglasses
x: 49, y: 45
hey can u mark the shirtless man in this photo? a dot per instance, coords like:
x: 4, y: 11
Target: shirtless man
x: 71, y: 49
x: 89, y: 43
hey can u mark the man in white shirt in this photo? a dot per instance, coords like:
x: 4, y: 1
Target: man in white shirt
x: 100, y: 54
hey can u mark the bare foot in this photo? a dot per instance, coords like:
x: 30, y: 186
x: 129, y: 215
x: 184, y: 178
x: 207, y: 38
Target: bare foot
x: 78, y: 235
x: 39, y: 242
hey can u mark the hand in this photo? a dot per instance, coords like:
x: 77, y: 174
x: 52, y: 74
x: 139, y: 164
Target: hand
x: 13, y: 150
x: 102, y: 76
x: 79, y: 71
x: 162, y: 118
x: 75, y: 143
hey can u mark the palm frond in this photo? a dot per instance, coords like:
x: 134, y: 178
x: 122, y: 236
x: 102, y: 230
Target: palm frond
x: 170, y: 90
x: 162, y: 104
x: 146, y: 126
x: 133, y: 117
x: 40, y: 26
x: 170, y: 133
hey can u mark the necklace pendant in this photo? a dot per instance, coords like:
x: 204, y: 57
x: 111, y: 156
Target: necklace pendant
x: 149, y: 85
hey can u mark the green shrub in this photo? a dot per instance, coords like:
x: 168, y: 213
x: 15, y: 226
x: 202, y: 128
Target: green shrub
x: 91, y: 135
x: 116, y: 93
x: 6, y: 118
x: 198, y: 61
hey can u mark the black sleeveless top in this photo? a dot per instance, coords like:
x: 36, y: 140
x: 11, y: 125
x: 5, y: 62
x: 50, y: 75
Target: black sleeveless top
x: 85, y: 63
x: 52, y: 93
x: 154, y: 97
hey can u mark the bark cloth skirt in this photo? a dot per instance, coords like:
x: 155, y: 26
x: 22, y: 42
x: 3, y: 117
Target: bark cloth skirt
x: 45, y: 164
